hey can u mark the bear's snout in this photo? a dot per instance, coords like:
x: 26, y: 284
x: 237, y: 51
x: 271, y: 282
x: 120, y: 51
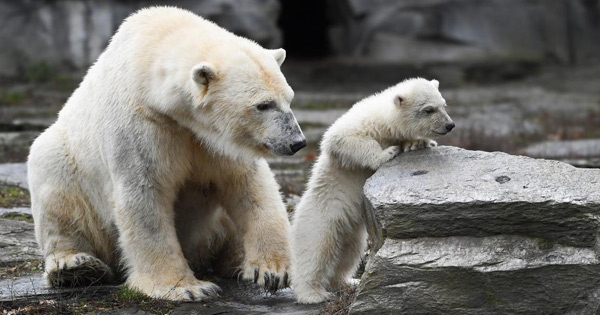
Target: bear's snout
x: 298, y: 145
x: 450, y: 126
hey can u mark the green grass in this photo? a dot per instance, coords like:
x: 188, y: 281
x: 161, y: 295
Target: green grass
x: 12, y: 196
x: 90, y: 302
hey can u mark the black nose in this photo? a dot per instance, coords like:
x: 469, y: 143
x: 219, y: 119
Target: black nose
x: 450, y: 126
x: 298, y: 145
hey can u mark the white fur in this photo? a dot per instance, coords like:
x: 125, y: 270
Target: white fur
x: 328, y: 230
x: 156, y: 160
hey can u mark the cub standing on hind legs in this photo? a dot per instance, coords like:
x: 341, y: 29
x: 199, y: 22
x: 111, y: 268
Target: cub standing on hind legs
x: 328, y: 231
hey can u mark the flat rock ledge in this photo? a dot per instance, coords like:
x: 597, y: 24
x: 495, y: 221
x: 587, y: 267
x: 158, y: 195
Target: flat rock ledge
x: 470, y: 232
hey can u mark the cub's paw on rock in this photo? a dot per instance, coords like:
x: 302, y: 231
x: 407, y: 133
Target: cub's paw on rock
x: 387, y: 155
x: 413, y: 145
x: 187, y: 289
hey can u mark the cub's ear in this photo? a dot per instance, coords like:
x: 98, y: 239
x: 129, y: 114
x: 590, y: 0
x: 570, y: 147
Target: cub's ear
x: 203, y: 73
x: 278, y: 54
x: 399, y: 100
x: 436, y: 83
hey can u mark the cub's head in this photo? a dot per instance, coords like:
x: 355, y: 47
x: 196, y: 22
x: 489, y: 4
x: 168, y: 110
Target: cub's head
x: 242, y: 102
x: 422, y: 109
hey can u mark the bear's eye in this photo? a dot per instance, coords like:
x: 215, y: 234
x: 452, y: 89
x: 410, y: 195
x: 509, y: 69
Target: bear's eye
x: 429, y: 110
x: 266, y: 106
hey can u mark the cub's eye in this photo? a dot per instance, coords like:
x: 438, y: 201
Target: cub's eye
x: 429, y: 110
x: 265, y: 106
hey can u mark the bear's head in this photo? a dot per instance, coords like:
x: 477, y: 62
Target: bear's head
x: 421, y: 109
x: 241, y: 103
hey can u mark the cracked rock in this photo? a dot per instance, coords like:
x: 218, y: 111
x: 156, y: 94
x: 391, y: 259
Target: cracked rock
x: 471, y: 232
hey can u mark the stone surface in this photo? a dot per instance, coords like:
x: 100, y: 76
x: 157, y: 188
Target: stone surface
x: 14, y: 174
x: 236, y: 298
x: 466, y: 31
x: 472, y: 275
x: 472, y: 232
x: 582, y: 153
x: 6, y: 211
x: 447, y: 191
x: 14, y: 146
x: 17, y: 242
x: 68, y: 34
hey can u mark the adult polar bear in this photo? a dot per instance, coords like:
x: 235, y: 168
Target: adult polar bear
x: 156, y: 160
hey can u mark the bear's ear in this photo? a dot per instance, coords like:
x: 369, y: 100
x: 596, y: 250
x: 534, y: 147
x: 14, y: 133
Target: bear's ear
x: 278, y: 54
x: 436, y: 83
x: 203, y: 73
x: 399, y: 100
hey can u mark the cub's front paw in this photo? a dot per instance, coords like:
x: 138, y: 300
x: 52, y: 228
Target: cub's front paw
x: 387, y: 155
x: 272, y: 274
x: 186, y: 289
x: 413, y: 145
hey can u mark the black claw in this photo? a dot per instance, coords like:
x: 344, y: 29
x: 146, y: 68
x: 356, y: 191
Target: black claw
x: 205, y: 292
x: 275, y: 284
x: 267, y: 280
x: 190, y: 295
x: 77, y: 261
x: 255, y: 275
x: 285, y: 280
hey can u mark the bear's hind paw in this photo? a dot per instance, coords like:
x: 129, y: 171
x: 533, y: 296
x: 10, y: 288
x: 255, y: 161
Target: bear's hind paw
x: 80, y: 269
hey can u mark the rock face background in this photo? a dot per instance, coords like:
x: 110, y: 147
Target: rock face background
x: 70, y: 34
x: 466, y: 30
x: 471, y: 232
x: 66, y: 34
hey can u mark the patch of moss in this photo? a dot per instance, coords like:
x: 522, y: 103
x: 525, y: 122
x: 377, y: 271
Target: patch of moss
x: 18, y: 217
x: 38, y: 72
x: 11, y: 98
x: 13, y: 196
x: 91, y: 302
x: 544, y: 244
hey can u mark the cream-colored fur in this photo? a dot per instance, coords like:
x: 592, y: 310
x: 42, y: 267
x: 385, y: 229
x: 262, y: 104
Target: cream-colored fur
x: 156, y: 162
x: 328, y: 230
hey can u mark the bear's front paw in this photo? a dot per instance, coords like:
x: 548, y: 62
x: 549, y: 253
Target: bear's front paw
x: 185, y: 289
x: 413, y: 145
x: 385, y: 156
x: 388, y: 154
x: 270, y: 274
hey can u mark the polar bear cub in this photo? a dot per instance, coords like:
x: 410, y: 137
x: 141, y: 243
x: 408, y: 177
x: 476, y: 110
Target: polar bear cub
x: 328, y: 230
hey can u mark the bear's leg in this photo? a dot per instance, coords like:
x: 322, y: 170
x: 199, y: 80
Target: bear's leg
x: 148, y: 168
x: 253, y: 202
x: 150, y: 246
x: 354, y: 247
x: 69, y: 232
x: 318, y: 244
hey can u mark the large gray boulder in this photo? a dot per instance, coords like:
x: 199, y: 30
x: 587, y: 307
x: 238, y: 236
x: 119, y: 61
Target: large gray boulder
x: 470, y: 232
